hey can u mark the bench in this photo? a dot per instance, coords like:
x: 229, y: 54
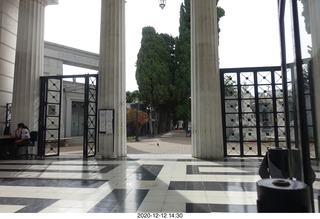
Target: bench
x: 65, y: 141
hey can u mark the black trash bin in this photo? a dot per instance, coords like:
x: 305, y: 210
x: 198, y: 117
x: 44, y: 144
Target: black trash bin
x: 282, y: 196
x: 284, y: 163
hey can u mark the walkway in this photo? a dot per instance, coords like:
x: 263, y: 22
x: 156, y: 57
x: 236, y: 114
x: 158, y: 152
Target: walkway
x: 174, y: 142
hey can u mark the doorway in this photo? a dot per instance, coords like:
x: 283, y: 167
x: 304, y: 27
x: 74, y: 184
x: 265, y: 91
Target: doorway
x: 56, y: 114
x: 77, y: 119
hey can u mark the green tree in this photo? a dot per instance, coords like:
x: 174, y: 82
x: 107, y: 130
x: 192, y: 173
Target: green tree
x: 182, y: 77
x: 166, y: 110
x: 153, y: 72
x: 220, y: 13
x: 137, y: 119
x: 131, y: 96
x: 154, y: 69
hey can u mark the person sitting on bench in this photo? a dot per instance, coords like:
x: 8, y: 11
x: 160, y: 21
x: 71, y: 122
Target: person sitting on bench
x: 22, y: 134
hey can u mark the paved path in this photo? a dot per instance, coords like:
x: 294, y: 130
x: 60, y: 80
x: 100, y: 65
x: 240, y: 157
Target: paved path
x: 174, y: 142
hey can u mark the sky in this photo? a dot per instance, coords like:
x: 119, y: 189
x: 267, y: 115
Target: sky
x: 249, y: 30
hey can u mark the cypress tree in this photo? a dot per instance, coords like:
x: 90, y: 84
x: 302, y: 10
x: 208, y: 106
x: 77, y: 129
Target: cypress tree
x: 154, y: 71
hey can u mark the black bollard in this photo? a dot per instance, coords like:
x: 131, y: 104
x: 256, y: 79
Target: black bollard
x: 282, y: 195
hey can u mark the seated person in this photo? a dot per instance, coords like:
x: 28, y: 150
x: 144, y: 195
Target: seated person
x: 22, y: 134
x: 6, y: 131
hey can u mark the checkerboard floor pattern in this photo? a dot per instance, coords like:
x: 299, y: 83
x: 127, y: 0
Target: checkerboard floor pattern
x: 137, y: 183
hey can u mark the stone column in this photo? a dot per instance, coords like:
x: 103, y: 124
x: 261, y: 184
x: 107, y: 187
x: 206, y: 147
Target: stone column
x: 111, y: 90
x: 29, y: 62
x: 207, y: 138
x: 314, y: 6
x: 8, y: 38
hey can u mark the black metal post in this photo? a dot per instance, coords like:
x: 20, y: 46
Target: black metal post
x: 137, y: 119
x: 301, y: 106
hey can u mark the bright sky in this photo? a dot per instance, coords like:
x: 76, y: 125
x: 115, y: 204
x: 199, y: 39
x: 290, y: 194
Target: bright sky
x: 249, y: 31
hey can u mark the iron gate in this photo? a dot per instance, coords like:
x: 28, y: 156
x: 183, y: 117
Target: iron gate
x: 90, y: 115
x: 253, y: 107
x: 50, y: 114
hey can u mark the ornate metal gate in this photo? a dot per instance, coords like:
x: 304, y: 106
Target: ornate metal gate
x: 253, y: 107
x: 50, y: 115
x: 90, y: 115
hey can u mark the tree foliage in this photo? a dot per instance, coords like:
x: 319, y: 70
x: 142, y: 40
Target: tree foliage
x: 131, y: 96
x: 154, y: 73
x: 182, y: 77
x: 153, y: 68
x: 163, y: 71
x: 137, y: 119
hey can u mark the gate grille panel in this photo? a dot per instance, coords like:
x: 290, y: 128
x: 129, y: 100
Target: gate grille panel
x: 253, y: 106
x: 253, y: 110
x: 50, y: 114
x: 90, y: 113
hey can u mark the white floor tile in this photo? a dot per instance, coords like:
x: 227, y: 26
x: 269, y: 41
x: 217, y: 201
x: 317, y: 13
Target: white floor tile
x: 176, y: 199
x: 218, y: 200
x: 151, y: 207
x: 10, y: 208
x: 241, y: 201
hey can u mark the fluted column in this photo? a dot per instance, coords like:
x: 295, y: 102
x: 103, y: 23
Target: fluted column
x: 207, y: 138
x: 8, y: 39
x: 29, y: 62
x: 314, y: 6
x: 111, y: 91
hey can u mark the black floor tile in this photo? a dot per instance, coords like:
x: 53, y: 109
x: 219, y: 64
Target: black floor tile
x: 224, y: 208
x: 212, y: 186
x: 136, y: 195
x: 126, y: 205
x: 107, y: 168
x: 101, y: 210
x: 197, y: 208
x: 108, y: 203
x: 220, y: 208
x: 121, y: 201
x: 195, y: 186
x: 148, y: 176
x: 238, y: 186
x: 244, y: 208
x: 32, y: 205
x: 147, y: 172
x: 192, y: 169
x: 53, y: 183
x: 177, y: 185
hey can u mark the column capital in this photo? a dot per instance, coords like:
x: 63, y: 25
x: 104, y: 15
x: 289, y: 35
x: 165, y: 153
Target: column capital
x: 51, y: 2
x: 44, y: 2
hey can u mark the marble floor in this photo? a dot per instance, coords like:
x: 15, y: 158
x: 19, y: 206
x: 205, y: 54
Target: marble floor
x: 137, y: 183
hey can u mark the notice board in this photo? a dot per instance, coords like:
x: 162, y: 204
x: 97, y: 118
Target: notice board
x: 106, y: 121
